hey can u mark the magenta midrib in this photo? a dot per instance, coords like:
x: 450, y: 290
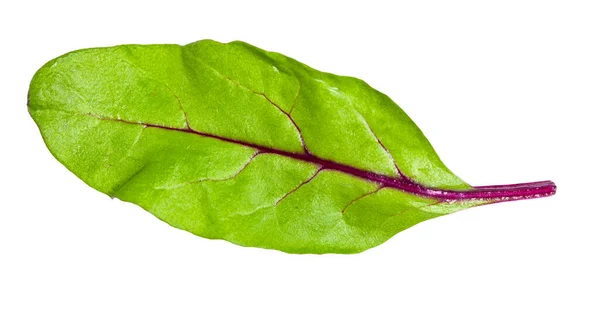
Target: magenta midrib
x: 493, y: 193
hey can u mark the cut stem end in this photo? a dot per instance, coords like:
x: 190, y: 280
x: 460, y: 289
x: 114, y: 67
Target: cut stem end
x: 513, y: 192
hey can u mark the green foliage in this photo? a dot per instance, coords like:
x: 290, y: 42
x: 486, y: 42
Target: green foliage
x: 121, y: 119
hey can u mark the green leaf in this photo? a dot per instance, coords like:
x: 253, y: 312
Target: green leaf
x: 232, y: 142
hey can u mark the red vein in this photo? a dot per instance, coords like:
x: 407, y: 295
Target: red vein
x: 288, y: 115
x: 299, y: 186
x: 491, y: 193
x: 360, y: 197
x: 145, y: 74
x: 211, y: 179
x: 384, y: 148
x: 235, y: 174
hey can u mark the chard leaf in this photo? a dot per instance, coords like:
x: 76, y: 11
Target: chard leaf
x: 228, y: 141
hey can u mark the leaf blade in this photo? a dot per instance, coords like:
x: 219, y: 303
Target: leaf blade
x: 229, y: 141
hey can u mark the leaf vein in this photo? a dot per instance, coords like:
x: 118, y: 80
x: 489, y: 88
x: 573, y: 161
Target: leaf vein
x: 383, y: 146
x: 235, y: 174
x: 114, y: 192
x: 299, y: 186
x: 171, y: 91
x: 491, y: 194
x: 360, y: 197
x: 264, y: 95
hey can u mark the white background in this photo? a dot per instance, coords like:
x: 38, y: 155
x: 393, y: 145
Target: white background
x: 505, y: 91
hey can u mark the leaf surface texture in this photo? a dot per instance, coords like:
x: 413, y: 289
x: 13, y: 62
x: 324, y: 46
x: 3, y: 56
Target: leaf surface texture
x: 233, y: 142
